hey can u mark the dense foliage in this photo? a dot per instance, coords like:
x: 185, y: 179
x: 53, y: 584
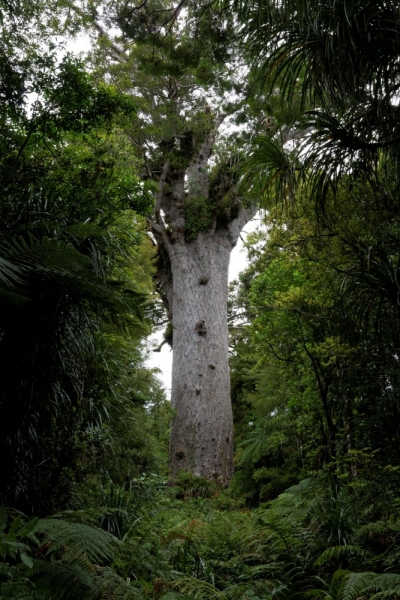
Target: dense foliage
x: 72, y: 292
x: 87, y: 508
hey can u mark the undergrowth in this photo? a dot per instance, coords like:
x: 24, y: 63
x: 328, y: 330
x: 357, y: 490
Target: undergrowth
x: 321, y: 538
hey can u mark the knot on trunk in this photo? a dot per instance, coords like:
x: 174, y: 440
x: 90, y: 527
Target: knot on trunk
x: 179, y: 453
x: 201, y: 328
x: 203, y: 280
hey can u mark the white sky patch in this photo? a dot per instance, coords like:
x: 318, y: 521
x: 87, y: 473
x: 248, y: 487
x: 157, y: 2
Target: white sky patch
x: 80, y: 45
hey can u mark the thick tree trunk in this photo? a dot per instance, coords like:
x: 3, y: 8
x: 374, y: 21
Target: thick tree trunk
x: 194, y: 279
x: 202, y: 430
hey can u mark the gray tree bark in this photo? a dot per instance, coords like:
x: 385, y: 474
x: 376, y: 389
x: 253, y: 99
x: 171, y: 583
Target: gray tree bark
x: 202, y: 431
x: 194, y: 278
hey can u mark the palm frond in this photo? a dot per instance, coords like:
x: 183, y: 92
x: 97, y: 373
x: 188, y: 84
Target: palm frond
x: 323, y: 45
x: 270, y: 171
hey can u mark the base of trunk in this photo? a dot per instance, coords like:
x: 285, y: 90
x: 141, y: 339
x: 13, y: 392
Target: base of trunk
x: 202, y: 430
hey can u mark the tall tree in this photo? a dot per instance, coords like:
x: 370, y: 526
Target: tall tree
x: 67, y: 236
x: 180, y: 65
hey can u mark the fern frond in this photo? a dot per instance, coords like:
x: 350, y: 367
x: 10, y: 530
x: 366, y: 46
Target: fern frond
x: 97, y: 544
x: 384, y: 586
x: 337, y: 552
x: 110, y: 586
x: 197, y: 589
x: 14, y: 590
x: 63, y: 580
x: 355, y: 584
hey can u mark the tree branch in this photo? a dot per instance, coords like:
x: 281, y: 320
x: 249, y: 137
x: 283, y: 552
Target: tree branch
x: 235, y: 227
x: 103, y: 33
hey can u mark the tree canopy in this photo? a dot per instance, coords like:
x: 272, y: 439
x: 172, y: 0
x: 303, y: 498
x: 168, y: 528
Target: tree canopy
x: 112, y: 166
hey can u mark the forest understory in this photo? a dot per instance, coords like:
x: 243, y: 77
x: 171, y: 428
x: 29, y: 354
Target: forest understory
x: 127, y: 174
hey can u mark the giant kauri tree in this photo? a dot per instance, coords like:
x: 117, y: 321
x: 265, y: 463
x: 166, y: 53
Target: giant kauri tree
x: 177, y: 61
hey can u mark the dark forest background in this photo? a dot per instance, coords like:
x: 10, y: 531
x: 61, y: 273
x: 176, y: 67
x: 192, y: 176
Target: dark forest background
x: 87, y: 509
